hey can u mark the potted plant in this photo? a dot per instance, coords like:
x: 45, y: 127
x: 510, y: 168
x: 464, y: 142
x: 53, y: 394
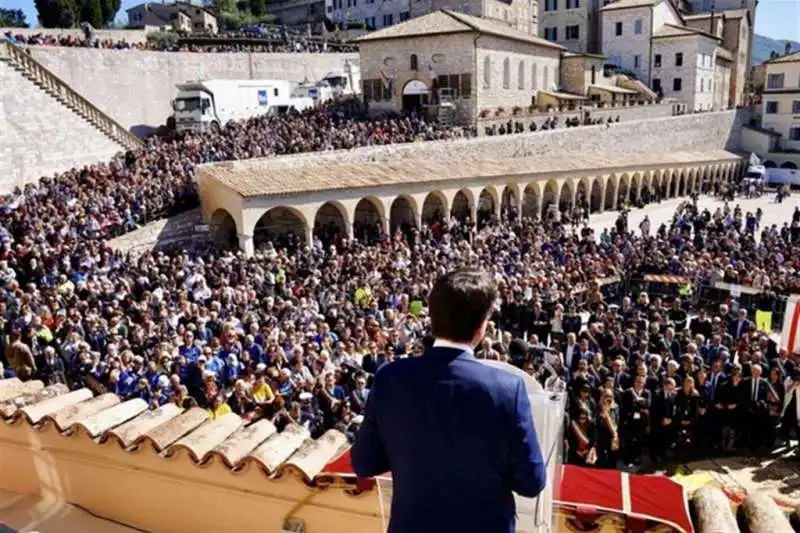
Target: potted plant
x: 517, y: 110
x: 499, y: 112
x: 484, y: 113
x: 531, y: 109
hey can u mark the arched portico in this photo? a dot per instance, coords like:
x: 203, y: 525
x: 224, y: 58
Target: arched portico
x: 511, y: 200
x: 531, y: 200
x: 331, y: 223
x: 623, y: 190
x: 403, y: 213
x: 596, y: 200
x: 434, y: 208
x: 488, y: 205
x: 636, y: 184
x: 464, y: 206
x: 369, y: 219
x: 223, y: 228
x: 673, y: 184
x: 284, y: 226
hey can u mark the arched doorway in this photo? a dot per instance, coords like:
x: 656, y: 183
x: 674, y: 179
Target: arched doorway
x: 508, y: 203
x: 770, y: 164
x: 487, y: 206
x: 462, y: 206
x: 530, y: 201
x: 330, y: 224
x: 673, y: 185
x: 566, y: 196
x: 611, y: 190
x: 223, y: 229
x: 433, y: 208
x: 789, y: 165
x: 633, y: 190
x: 368, y: 220
x: 285, y: 227
x: 596, y: 201
x: 416, y: 94
x: 682, y: 184
x: 582, y: 197
x: 402, y: 215
x: 623, y: 192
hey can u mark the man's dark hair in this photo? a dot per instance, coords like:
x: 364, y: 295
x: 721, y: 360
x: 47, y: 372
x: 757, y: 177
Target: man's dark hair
x: 459, y: 302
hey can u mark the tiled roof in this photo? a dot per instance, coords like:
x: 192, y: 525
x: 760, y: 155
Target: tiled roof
x: 254, y: 178
x: 444, y: 21
x: 670, y: 30
x: 190, y: 435
x: 628, y: 4
x: 729, y: 13
x: 785, y: 59
x: 724, y: 54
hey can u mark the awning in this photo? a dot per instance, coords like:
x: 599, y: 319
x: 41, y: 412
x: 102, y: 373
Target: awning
x: 655, y: 498
x: 563, y: 96
x: 612, y: 90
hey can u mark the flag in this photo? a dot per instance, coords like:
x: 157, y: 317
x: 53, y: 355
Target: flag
x: 764, y: 321
x: 790, y: 334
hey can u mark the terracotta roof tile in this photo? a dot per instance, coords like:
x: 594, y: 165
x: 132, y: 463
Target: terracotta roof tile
x: 172, y: 436
x: 260, y: 178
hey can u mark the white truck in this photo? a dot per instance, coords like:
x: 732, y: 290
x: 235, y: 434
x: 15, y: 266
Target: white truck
x: 335, y: 84
x: 208, y: 105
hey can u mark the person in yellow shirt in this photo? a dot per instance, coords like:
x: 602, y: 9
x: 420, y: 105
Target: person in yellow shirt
x: 218, y: 408
x: 262, y: 392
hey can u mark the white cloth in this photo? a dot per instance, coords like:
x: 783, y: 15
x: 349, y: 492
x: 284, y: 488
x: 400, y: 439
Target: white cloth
x: 788, y: 399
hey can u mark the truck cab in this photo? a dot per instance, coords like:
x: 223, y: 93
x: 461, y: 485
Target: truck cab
x: 194, y: 111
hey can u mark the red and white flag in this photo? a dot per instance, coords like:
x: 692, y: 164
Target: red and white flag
x: 790, y: 336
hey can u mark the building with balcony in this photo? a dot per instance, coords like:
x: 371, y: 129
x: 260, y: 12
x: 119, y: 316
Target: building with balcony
x: 482, y: 63
x: 179, y: 16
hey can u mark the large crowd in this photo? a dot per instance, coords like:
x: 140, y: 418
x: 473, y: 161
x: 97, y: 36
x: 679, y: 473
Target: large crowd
x: 271, y: 42
x: 296, y: 333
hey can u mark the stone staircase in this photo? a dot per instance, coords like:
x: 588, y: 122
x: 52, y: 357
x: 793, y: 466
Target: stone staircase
x: 51, y: 84
x: 635, y: 85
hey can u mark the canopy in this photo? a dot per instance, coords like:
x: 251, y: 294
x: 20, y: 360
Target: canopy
x: 655, y: 498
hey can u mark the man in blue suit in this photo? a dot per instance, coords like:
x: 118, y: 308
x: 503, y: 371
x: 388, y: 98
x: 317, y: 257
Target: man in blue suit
x: 457, y: 435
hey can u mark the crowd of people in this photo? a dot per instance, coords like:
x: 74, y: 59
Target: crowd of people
x: 279, y: 42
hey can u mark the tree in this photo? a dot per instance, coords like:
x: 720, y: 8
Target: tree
x: 258, y: 7
x: 57, y: 13
x: 12, y: 18
x: 92, y: 12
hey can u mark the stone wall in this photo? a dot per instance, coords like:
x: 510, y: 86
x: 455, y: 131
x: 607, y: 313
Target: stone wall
x: 687, y: 133
x: 40, y: 136
x: 136, y: 88
x: 625, y: 114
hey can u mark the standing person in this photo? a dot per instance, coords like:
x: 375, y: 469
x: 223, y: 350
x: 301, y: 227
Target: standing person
x: 458, y: 436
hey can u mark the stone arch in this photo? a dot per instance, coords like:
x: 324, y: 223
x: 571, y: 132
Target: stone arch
x: 567, y: 195
x: 487, y: 72
x: 583, y: 191
x: 634, y: 190
x: 463, y: 205
x: 506, y: 73
x: 770, y: 164
x: 331, y: 222
x: 789, y: 165
x: 623, y: 189
x: 223, y: 228
x: 509, y: 201
x: 681, y: 183
x: 534, y: 80
x: 611, y: 192
x: 674, y: 183
x: 369, y: 219
x: 596, y: 195
x: 281, y: 225
x: 488, y: 204
x: 666, y: 176
x: 521, y: 75
x: 531, y: 200
x: 434, y: 208
x: 552, y: 195
x: 402, y: 213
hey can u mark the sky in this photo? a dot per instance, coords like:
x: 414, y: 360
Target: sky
x: 778, y: 19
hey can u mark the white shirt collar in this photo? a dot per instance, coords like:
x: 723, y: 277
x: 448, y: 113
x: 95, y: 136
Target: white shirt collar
x: 444, y: 343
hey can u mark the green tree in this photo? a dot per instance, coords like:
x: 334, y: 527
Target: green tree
x: 91, y: 11
x: 110, y: 9
x: 258, y: 7
x: 57, y: 13
x: 12, y: 18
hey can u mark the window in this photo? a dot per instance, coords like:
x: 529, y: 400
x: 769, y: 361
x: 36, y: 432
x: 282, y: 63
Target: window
x: 657, y: 85
x: 618, y: 29
x: 775, y: 81
x: 594, y: 75
x: 572, y: 33
x: 405, y: 15
x: 573, y: 4
x: 546, y: 75
x: 550, y: 5
x: 637, y: 27
x: 679, y: 59
x: 275, y: 92
x: 702, y: 83
x: 374, y: 91
x: 534, y: 81
x: 388, y: 19
x: 465, y: 90
x: 521, y: 75
x: 413, y: 62
x: 677, y: 85
x: 794, y: 134
x: 771, y: 108
x: 796, y: 107
x: 551, y: 34
x: 369, y: 22
x: 657, y: 61
x: 487, y: 72
x: 637, y: 61
x: 506, y: 73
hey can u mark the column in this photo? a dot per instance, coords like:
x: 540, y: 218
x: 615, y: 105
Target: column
x: 247, y: 244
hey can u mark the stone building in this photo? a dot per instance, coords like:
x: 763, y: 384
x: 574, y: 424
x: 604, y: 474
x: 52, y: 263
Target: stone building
x: 179, y: 16
x: 586, y: 75
x: 574, y: 24
x: 479, y: 63
x: 736, y: 38
x: 781, y: 100
x: 299, y: 12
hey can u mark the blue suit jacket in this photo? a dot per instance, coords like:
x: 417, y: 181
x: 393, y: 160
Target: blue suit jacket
x: 457, y: 436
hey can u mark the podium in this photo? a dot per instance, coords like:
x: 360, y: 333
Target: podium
x: 536, y: 515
